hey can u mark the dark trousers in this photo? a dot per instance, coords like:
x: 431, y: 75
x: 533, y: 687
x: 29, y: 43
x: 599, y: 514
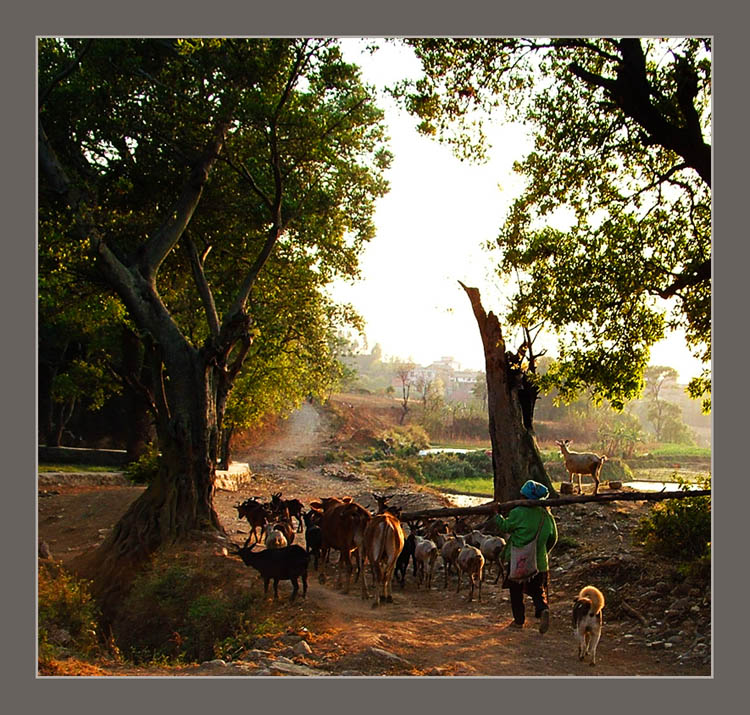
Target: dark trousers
x: 536, y: 587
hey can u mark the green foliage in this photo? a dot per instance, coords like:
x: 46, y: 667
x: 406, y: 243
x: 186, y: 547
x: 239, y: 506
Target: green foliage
x: 402, y: 441
x: 614, y: 214
x: 144, y: 469
x: 442, y: 467
x: 238, y: 271
x: 679, y: 528
x: 67, y: 614
x: 184, y: 611
x: 620, y: 435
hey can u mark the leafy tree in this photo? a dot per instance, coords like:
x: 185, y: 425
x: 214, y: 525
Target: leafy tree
x: 404, y: 371
x: 656, y: 376
x: 621, y: 132
x: 177, y: 169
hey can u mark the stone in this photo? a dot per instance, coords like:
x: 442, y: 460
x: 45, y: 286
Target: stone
x: 386, y: 655
x: 255, y: 654
x: 302, y: 648
x: 217, y: 663
x: 294, y: 669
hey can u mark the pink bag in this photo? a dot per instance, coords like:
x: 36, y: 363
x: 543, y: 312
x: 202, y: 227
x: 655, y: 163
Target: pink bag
x: 523, y: 564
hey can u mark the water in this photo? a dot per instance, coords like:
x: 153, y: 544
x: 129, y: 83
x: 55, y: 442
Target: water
x: 441, y: 450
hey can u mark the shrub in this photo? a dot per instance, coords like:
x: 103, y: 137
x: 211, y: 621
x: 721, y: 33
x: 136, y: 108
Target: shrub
x: 67, y: 614
x: 144, y: 469
x: 183, y: 611
x: 678, y: 528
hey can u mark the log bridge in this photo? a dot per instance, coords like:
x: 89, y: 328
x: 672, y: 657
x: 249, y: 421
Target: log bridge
x: 493, y: 507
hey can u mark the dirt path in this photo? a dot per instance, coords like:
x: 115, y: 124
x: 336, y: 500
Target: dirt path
x: 438, y: 632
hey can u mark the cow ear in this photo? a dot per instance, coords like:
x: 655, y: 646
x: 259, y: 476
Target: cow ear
x: 316, y: 505
x: 347, y: 500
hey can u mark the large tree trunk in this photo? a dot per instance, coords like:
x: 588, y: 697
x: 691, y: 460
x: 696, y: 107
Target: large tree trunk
x: 515, y: 454
x: 225, y: 451
x: 179, y: 501
x: 138, y: 428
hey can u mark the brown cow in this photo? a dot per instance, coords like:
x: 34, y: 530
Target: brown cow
x: 384, y: 539
x: 342, y: 526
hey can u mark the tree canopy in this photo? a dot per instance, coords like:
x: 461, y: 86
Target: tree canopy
x: 212, y: 188
x: 609, y: 242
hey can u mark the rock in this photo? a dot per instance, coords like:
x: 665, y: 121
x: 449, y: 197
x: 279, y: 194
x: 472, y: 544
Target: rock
x: 44, y: 552
x: 662, y: 587
x: 283, y: 660
x: 386, y: 655
x: 255, y: 654
x: 60, y: 636
x: 209, y: 664
x: 681, y: 589
x: 290, y: 639
x: 681, y: 605
x: 302, y: 648
x: 294, y: 669
x: 263, y: 642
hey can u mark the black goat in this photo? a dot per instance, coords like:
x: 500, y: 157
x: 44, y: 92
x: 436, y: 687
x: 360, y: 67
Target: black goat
x: 284, y: 564
x: 314, y: 542
x: 294, y: 506
x: 402, y: 562
x: 256, y: 514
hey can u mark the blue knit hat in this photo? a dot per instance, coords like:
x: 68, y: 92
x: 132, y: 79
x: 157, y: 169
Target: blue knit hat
x: 534, y: 490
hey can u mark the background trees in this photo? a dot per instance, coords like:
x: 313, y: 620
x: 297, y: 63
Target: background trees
x: 175, y: 172
x: 610, y: 240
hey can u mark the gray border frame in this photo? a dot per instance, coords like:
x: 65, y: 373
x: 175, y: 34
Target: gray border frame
x: 722, y: 20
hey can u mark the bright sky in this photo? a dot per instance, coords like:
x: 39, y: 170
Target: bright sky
x: 430, y: 230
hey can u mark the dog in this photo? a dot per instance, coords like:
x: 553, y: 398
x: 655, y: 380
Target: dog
x: 587, y: 621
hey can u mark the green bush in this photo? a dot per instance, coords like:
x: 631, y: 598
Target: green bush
x: 67, y: 614
x: 184, y: 611
x: 144, y: 469
x: 450, y: 466
x: 678, y: 528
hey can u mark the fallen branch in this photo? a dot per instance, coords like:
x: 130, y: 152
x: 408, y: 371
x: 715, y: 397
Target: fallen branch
x: 493, y: 507
x: 629, y: 609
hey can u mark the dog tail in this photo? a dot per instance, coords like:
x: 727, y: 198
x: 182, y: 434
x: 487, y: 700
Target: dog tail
x: 593, y: 597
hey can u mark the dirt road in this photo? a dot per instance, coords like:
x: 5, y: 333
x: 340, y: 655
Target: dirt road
x: 438, y: 632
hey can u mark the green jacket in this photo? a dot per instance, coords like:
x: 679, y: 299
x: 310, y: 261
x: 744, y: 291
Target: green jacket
x: 522, y: 524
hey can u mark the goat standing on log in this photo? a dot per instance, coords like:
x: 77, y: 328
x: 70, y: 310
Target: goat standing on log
x: 581, y: 463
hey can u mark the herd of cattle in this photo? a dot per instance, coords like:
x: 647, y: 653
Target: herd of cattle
x: 361, y: 537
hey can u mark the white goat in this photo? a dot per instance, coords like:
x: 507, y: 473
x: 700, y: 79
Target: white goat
x: 449, y: 552
x: 425, y: 555
x: 471, y: 562
x: 491, y: 548
x: 581, y: 463
x: 275, y: 539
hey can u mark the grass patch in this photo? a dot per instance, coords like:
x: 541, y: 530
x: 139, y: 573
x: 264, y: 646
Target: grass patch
x: 471, y: 486
x: 676, y: 451
x: 75, y: 468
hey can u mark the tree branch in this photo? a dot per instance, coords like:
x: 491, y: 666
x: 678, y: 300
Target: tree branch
x: 158, y: 247
x: 65, y: 72
x: 494, y: 507
x: 201, y: 283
